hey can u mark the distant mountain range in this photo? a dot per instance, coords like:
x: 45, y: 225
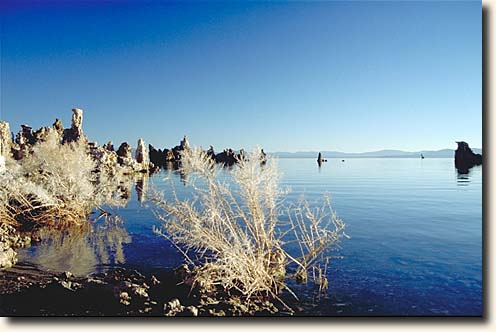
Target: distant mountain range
x: 445, y: 153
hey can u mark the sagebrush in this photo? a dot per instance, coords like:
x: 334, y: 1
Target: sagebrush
x: 56, y: 184
x: 232, y: 228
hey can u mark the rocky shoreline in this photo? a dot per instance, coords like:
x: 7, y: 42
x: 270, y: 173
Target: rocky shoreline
x: 28, y: 291
x: 54, y: 179
x: 10, y: 239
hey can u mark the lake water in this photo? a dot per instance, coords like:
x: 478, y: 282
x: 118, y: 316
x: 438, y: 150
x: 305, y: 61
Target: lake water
x: 415, y: 227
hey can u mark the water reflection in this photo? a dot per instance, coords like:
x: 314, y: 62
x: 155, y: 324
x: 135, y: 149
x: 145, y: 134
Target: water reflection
x: 368, y: 194
x: 173, y: 167
x: 124, y: 190
x: 462, y: 179
x: 141, y: 187
x: 80, y: 249
x: 184, y: 177
x: 83, y: 249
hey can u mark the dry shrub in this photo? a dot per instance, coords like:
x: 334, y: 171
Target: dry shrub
x: 233, y: 230
x: 55, y: 184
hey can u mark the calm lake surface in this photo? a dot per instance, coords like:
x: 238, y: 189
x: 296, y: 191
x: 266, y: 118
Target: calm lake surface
x: 415, y: 227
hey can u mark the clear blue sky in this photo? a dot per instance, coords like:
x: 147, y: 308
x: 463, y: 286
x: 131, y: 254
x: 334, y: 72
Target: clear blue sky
x: 346, y: 76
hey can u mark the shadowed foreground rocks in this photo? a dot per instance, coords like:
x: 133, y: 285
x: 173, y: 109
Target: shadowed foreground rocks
x: 465, y: 158
x: 27, y: 291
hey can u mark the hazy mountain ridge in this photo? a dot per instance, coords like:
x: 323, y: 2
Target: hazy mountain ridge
x: 444, y: 153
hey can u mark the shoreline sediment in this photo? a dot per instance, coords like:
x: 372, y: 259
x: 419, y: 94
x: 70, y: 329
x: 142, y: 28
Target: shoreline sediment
x: 26, y: 290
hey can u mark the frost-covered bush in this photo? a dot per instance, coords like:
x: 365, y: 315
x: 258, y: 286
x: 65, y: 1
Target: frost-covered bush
x: 233, y: 230
x: 54, y: 184
x: 64, y: 171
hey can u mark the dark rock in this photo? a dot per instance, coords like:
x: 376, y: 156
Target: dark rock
x: 465, y: 158
x: 58, y: 126
x: 124, y: 150
x: 171, y: 155
x: 181, y: 272
x: 189, y: 311
x: 320, y: 160
x: 211, y: 152
x: 25, y: 136
x: 157, y: 157
x: 154, y: 280
x: 152, y: 168
x: 41, y: 134
x: 18, y: 154
x: 263, y: 157
x: 226, y: 157
x: 109, y: 146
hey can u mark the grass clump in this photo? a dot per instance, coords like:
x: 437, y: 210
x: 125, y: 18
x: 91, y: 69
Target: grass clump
x: 234, y: 232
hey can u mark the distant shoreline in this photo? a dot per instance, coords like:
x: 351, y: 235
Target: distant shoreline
x: 360, y: 157
x: 385, y: 153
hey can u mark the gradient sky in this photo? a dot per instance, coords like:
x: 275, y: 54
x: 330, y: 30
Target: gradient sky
x: 346, y: 76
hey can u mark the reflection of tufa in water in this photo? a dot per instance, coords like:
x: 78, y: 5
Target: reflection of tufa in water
x: 80, y: 249
x: 141, y: 187
x: 462, y: 180
x: 320, y: 160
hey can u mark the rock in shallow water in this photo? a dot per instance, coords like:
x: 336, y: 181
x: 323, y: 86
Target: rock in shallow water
x: 465, y: 158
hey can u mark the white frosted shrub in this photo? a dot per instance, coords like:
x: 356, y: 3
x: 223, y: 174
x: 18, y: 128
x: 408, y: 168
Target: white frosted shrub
x: 54, y: 184
x: 65, y: 171
x: 233, y: 233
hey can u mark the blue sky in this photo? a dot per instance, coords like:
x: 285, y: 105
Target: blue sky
x: 346, y: 76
